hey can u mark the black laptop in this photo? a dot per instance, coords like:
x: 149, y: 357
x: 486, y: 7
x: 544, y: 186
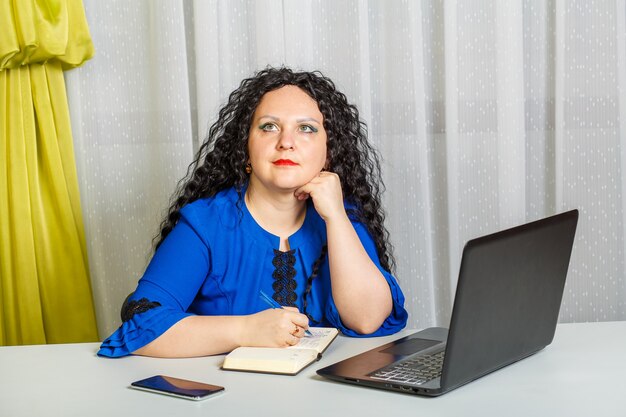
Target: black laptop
x: 506, y: 308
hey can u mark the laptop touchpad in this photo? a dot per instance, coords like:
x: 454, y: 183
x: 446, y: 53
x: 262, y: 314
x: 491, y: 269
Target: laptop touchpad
x: 408, y: 347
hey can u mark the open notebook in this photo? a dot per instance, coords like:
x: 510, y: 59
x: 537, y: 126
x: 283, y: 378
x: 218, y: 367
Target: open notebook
x: 288, y: 361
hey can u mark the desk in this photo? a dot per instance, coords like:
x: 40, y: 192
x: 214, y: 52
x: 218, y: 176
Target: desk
x: 582, y: 373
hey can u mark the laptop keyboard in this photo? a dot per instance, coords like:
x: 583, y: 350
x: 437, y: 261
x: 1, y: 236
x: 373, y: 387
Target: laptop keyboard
x: 415, y: 370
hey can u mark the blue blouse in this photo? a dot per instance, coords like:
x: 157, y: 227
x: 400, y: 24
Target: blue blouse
x: 217, y: 259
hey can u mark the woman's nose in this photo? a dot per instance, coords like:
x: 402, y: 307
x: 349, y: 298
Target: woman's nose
x: 286, y: 141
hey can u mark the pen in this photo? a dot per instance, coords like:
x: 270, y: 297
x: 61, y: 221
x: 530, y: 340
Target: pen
x: 272, y: 303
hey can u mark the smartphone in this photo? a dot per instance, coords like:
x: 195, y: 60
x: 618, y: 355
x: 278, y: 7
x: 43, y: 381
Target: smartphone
x: 177, y: 387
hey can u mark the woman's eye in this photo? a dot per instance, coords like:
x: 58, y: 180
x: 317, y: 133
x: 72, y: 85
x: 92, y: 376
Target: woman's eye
x: 268, y: 127
x: 308, y: 129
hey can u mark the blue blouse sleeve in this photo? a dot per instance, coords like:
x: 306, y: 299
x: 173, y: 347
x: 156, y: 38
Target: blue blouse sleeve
x: 172, y: 279
x: 398, y: 317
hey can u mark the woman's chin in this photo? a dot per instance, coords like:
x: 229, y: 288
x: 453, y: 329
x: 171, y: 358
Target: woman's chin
x: 288, y: 188
x: 285, y: 184
x: 289, y: 185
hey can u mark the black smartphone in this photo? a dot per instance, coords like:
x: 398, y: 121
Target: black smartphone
x: 177, y: 387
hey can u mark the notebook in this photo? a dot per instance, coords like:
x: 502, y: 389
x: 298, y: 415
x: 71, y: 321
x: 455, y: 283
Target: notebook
x: 505, y: 309
x: 287, y: 361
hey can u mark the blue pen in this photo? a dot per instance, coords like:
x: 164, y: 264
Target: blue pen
x: 272, y: 303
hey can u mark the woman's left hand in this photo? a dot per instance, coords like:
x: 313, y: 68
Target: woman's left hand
x: 325, y: 190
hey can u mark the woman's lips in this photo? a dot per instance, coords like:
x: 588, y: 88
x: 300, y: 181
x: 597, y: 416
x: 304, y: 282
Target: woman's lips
x: 284, y: 162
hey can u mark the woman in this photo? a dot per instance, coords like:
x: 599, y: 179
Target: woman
x: 284, y: 198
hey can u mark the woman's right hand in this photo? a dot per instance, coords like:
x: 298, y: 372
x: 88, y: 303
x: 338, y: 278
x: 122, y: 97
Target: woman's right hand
x: 274, y: 327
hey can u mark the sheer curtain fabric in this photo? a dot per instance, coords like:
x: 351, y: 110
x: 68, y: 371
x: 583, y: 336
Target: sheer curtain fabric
x: 487, y: 114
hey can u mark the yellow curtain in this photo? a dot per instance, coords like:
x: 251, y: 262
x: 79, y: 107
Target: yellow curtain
x: 45, y: 292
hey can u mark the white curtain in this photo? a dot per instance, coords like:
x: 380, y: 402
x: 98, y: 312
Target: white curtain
x: 487, y: 113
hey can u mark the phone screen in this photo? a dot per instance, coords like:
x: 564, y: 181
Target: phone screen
x: 177, y: 387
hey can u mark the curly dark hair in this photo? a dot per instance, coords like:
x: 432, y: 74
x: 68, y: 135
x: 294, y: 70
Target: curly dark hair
x: 221, y: 160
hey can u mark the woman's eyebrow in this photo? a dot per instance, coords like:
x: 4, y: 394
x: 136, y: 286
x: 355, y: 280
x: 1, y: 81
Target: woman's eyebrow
x: 301, y: 120
x: 307, y: 119
x: 269, y: 116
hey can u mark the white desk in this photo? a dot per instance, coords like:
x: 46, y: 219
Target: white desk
x: 582, y: 373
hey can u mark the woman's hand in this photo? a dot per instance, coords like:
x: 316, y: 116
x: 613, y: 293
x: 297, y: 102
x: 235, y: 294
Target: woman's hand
x: 325, y: 190
x: 275, y: 327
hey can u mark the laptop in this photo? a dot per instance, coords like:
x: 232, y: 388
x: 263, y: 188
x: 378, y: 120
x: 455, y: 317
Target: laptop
x: 505, y: 309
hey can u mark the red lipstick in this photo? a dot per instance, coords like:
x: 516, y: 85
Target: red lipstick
x: 284, y: 162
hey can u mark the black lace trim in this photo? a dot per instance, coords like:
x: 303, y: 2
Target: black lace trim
x: 284, y: 283
x: 130, y: 308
